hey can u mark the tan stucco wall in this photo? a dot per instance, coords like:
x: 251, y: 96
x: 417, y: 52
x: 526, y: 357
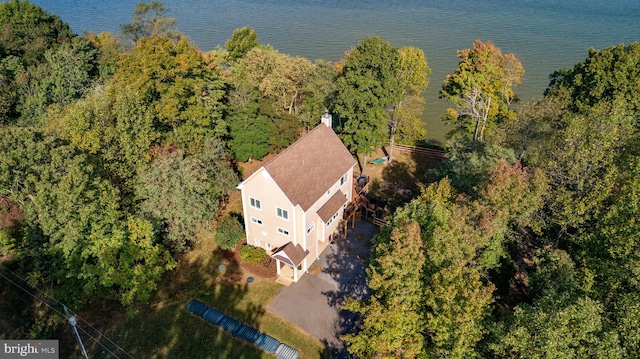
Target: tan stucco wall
x: 261, y: 186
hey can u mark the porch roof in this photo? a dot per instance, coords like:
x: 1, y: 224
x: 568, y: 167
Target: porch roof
x: 291, y: 254
x: 332, y: 206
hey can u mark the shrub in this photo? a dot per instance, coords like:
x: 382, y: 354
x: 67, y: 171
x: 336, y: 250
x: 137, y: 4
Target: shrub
x: 229, y: 231
x: 252, y: 254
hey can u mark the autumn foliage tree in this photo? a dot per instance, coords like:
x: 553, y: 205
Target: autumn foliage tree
x: 481, y: 88
x: 184, y: 92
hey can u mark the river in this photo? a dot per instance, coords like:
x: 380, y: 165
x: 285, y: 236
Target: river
x: 545, y: 35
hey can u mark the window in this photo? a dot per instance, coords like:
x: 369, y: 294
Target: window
x: 256, y: 221
x: 255, y: 203
x: 283, y: 231
x: 282, y: 213
x: 256, y: 242
x: 343, y: 179
x: 329, y: 192
x: 332, y: 218
x: 267, y: 246
x: 311, y: 227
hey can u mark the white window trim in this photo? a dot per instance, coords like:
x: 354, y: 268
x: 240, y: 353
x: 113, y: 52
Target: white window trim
x: 332, y: 218
x: 257, y: 221
x: 311, y: 227
x: 283, y: 231
x: 343, y: 179
x: 256, y: 241
x: 255, y: 200
x: 282, y: 210
x: 267, y: 246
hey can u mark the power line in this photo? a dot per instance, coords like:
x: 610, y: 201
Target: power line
x: 102, y: 335
x: 31, y: 294
x: 95, y: 340
x: 60, y: 313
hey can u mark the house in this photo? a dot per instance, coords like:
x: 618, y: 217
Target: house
x: 293, y: 204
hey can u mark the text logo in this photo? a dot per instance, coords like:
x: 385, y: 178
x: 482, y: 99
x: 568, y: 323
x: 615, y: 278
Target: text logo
x: 31, y: 349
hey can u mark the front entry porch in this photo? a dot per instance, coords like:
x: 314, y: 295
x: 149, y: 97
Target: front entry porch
x: 288, y: 262
x: 286, y: 274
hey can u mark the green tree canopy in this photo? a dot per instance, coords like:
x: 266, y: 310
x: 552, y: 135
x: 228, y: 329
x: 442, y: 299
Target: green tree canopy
x: 605, y: 75
x: 242, y: 40
x: 67, y: 73
x: 179, y: 192
x: 74, y: 240
x: 392, y: 323
x: 367, y: 87
x: 27, y: 31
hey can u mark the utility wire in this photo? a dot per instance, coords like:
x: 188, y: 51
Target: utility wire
x: 61, y: 314
x: 105, y: 337
x: 95, y: 340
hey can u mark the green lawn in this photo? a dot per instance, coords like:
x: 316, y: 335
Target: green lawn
x: 165, y: 329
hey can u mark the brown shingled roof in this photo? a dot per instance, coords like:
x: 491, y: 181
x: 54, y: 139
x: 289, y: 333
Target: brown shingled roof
x: 332, y: 206
x: 307, y: 169
x: 290, y: 254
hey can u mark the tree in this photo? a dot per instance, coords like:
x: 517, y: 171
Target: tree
x: 469, y: 163
x: 7, y: 99
x: 561, y: 322
x: 109, y: 49
x: 74, y: 240
x: 229, y: 231
x: 249, y: 130
x: 481, y: 88
x: 150, y: 19
x: 318, y: 93
x: 278, y: 77
x: 366, y: 88
x: 242, y: 40
x: 184, y: 93
x: 582, y: 162
x: 117, y: 127
x: 428, y: 277
x: 515, y: 195
x: 66, y: 75
x: 413, y: 74
x: 27, y: 32
x: 178, y: 192
x: 392, y: 322
x: 605, y: 75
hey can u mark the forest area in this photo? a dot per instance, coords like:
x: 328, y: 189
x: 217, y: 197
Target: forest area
x: 117, y: 150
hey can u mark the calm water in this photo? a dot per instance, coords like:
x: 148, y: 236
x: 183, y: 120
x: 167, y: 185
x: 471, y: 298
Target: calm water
x: 546, y: 35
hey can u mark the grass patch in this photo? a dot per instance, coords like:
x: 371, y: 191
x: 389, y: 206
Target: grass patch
x: 165, y: 329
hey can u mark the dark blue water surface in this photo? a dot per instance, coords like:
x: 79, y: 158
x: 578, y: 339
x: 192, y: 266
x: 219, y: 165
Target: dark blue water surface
x: 546, y: 35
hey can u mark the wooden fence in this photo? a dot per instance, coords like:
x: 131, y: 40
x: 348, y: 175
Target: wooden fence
x: 439, y: 154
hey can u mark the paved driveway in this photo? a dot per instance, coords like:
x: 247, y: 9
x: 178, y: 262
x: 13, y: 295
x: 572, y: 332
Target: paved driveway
x: 313, y: 303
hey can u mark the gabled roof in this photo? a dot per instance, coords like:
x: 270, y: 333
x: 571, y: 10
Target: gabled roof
x: 290, y: 254
x: 332, y: 206
x: 307, y: 169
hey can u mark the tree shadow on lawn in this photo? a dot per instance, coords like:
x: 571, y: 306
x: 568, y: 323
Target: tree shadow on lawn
x: 346, y: 265
x: 402, y: 179
x: 165, y: 329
